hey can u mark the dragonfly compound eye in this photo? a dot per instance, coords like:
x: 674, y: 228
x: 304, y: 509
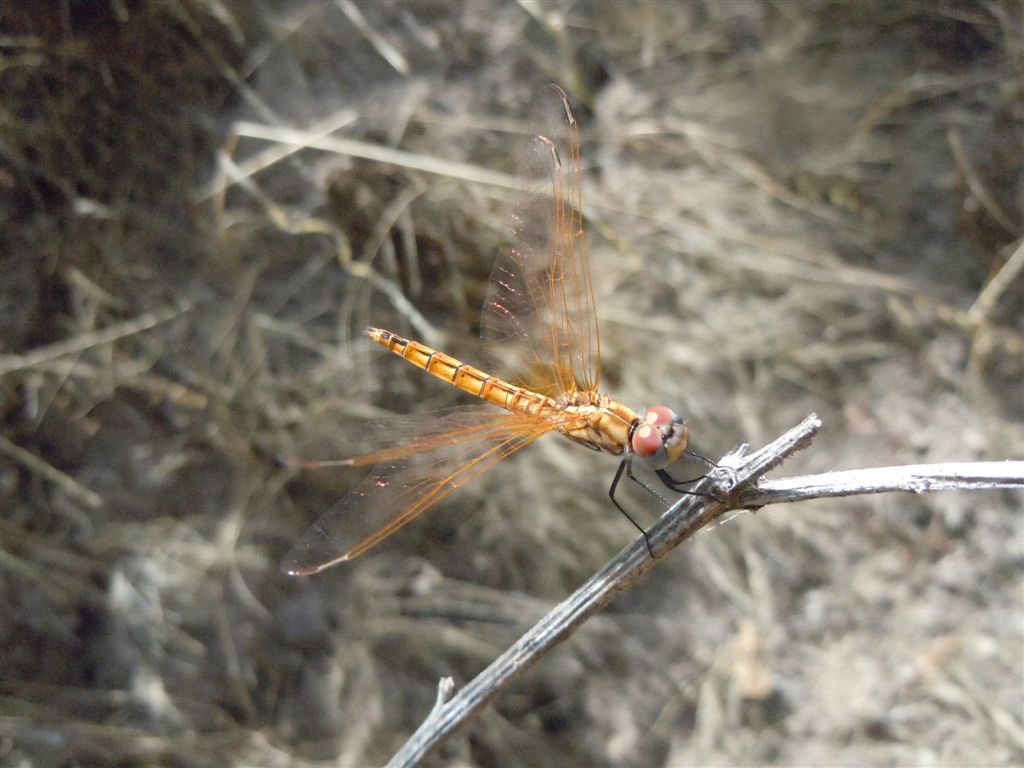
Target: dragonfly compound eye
x: 660, y: 437
x: 660, y: 416
x: 646, y: 441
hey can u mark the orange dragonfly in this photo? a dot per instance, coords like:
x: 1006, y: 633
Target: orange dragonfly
x: 540, y: 334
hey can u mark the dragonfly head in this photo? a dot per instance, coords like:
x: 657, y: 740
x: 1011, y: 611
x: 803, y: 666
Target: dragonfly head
x: 659, y: 437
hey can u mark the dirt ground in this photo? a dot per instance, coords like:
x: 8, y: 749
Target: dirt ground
x: 791, y: 208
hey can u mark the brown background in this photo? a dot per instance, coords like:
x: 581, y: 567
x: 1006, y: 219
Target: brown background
x: 791, y: 208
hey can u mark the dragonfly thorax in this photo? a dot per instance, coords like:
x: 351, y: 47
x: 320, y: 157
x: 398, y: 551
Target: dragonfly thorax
x: 582, y: 398
x: 603, y: 424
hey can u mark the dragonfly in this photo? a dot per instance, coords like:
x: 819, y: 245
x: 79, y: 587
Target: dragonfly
x: 540, y: 338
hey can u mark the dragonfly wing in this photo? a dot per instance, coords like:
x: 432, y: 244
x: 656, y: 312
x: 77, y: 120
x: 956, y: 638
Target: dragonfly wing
x: 539, y: 324
x: 366, y: 442
x: 445, y: 451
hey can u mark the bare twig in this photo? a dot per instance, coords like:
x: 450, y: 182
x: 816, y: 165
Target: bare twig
x: 732, y: 486
x: 273, y: 154
x: 993, y: 208
x: 34, y: 464
x: 145, y: 321
x: 387, y: 51
x: 997, y: 285
x: 916, y: 478
x: 675, y: 526
x: 378, y: 153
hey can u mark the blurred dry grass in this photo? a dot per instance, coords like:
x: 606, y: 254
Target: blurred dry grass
x: 791, y: 207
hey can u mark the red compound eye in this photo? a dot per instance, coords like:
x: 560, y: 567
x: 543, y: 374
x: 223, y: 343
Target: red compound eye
x: 659, y: 416
x: 646, y: 441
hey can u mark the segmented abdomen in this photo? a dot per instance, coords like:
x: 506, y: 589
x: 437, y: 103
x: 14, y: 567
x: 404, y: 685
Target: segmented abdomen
x: 462, y: 375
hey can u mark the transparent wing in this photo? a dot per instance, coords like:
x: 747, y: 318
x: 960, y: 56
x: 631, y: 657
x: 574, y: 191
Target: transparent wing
x: 442, y: 451
x: 539, y: 325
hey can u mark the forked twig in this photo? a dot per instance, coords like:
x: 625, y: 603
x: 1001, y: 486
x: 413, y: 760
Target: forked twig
x: 684, y: 519
x: 732, y: 488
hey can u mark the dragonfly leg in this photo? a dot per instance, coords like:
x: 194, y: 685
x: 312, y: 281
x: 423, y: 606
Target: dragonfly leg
x: 639, y: 481
x: 698, y: 457
x: 678, y: 485
x: 627, y: 466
